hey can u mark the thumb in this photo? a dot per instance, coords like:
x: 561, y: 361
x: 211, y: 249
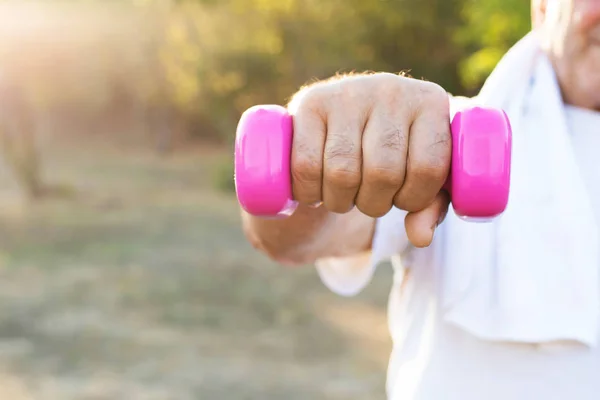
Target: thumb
x: 420, y: 226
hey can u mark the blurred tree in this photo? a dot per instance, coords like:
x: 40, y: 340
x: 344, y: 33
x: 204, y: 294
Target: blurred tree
x: 193, y: 66
x: 491, y: 28
x: 257, y: 51
x: 415, y: 36
x: 18, y: 139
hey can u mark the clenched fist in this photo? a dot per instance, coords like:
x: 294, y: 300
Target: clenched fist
x: 373, y: 142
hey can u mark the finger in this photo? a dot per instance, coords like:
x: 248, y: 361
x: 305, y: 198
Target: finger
x: 307, y: 147
x: 420, y: 226
x: 342, y: 156
x: 385, y: 147
x: 429, y: 151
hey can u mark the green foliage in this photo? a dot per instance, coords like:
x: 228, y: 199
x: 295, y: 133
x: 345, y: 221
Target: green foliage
x: 209, y: 60
x: 491, y: 28
x: 261, y: 51
x: 223, y: 175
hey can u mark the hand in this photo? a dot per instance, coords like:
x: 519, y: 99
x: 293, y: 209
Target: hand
x: 373, y: 142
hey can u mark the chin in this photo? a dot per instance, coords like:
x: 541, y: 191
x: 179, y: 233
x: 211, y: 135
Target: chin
x: 593, y: 91
x: 587, y: 77
x: 594, y: 103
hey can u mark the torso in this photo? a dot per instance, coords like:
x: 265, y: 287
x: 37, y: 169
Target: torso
x: 433, y: 360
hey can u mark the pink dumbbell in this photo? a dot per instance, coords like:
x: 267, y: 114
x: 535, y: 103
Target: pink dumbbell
x: 478, y: 183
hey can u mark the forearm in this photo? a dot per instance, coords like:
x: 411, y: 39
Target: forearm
x: 310, y: 234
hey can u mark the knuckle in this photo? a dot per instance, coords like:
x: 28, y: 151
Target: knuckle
x: 434, y: 95
x: 396, y: 97
x: 393, y: 89
x: 441, y: 148
x: 341, y: 146
x: 306, y: 169
x: 310, y: 100
x: 387, y: 79
x: 409, y: 203
x: 384, y: 176
x: 344, y: 88
x: 372, y: 210
x: 351, y: 93
x: 343, y: 177
x: 434, y: 157
x: 379, y: 84
x: 428, y: 172
x: 393, y: 136
x: 330, y: 97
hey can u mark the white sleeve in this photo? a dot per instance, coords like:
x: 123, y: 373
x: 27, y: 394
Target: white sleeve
x: 348, y: 276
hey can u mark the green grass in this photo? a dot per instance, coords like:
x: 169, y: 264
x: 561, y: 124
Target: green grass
x: 141, y: 285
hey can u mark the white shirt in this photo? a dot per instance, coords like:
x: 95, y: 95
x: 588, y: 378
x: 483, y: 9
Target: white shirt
x: 432, y: 360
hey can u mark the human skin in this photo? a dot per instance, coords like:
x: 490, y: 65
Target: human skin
x: 367, y: 142
x: 571, y: 32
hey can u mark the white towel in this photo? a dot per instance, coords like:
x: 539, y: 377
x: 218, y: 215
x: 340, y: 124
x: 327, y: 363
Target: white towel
x: 532, y: 275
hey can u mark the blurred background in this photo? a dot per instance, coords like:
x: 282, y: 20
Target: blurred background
x: 124, y: 273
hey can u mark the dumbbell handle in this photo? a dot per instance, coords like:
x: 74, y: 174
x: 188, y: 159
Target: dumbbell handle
x: 478, y: 183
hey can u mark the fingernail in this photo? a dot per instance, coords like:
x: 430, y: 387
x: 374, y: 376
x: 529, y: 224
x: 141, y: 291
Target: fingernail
x: 316, y: 205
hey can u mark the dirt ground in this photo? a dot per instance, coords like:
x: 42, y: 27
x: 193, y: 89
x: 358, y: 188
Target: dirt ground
x: 141, y: 286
